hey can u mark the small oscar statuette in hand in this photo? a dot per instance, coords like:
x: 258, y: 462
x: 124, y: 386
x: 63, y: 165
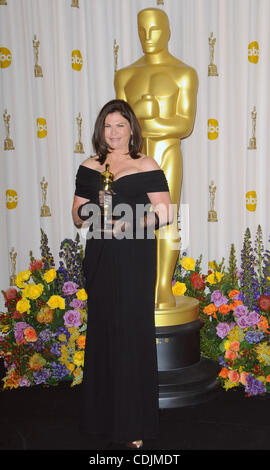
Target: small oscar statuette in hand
x: 105, y: 199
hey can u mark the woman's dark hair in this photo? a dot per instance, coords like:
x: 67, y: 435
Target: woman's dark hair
x: 98, y: 140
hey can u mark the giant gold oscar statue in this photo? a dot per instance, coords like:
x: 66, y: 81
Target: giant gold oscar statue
x: 162, y: 91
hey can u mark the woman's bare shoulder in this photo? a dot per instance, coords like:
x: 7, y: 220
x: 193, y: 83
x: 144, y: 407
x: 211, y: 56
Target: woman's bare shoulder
x: 91, y: 162
x: 147, y: 163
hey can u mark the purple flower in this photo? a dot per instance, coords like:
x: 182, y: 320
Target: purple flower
x: 223, y: 329
x: 254, y: 336
x: 45, y: 335
x: 70, y: 288
x: 72, y: 318
x: 42, y: 376
x: 77, y: 303
x: 24, y: 382
x: 242, y: 322
x: 59, y: 370
x: 253, y: 318
x: 19, y: 329
x: 56, y: 349
x: 254, y: 386
x: 240, y: 311
x: 218, y: 298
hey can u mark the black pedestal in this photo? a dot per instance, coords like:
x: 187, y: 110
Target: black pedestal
x: 185, y: 378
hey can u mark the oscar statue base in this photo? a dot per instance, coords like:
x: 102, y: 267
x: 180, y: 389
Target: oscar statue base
x: 185, y: 378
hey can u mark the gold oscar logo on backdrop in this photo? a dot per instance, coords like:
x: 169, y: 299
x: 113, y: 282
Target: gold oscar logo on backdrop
x: 212, y: 214
x: 79, y: 144
x: 252, y: 140
x: 41, y: 128
x: 37, y: 67
x: 213, y: 129
x: 45, y: 210
x: 115, y: 52
x: 8, y: 142
x: 11, y: 198
x: 162, y: 91
x: 253, y: 52
x: 160, y: 2
x: 5, y: 57
x: 251, y: 201
x: 75, y: 3
x: 3, y: 2
x: 12, y: 256
x: 77, y: 60
x: 212, y: 68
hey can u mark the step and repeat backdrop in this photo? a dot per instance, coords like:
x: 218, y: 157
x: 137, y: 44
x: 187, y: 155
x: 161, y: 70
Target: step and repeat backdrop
x: 58, y: 60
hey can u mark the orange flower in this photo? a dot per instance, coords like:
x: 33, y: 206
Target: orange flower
x: 243, y: 378
x: 235, y: 304
x: 232, y: 355
x: 30, y: 334
x: 81, y: 341
x: 224, y: 373
x: 268, y: 378
x: 234, y: 376
x: 233, y: 293
x: 210, y: 309
x: 224, y: 309
x: 234, y: 346
x: 263, y: 324
x: 45, y: 315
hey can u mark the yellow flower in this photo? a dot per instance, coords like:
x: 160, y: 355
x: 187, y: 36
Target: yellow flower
x: 212, y: 265
x: 23, y: 305
x: 50, y: 275
x: 78, y: 358
x: 4, y: 329
x: 56, y: 301
x: 21, y: 278
x: 214, y: 278
x: 227, y: 345
x: 188, y: 264
x: 81, y: 294
x: 70, y: 367
x: 33, y: 291
x: 179, y: 288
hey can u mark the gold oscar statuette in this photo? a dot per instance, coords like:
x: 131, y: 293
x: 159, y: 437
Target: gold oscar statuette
x: 8, y: 143
x: 115, y: 51
x: 105, y: 198
x: 252, y: 140
x: 13, y: 256
x: 75, y: 4
x: 45, y: 210
x: 212, y: 68
x: 79, y: 144
x: 37, y: 68
x: 212, y: 215
x: 162, y: 91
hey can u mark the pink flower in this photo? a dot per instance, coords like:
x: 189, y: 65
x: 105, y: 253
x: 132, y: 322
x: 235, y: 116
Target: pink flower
x: 77, y: 303
x: 234, y: 376
x: 72, y: 319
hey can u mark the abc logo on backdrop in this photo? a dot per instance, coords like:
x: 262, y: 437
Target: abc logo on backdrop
x: 251, y: 201
x: 11, y: 198
x: 253, y: 52
x: 77, y: 60
x: 5, y: 57
x: 41, y: 128
x: 213, y: 129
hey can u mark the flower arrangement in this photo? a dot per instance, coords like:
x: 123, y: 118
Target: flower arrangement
x: 42, y: 333
x: 235, y: 312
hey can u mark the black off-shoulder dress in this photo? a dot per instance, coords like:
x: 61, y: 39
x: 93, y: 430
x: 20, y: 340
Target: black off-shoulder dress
x: 120, y: 384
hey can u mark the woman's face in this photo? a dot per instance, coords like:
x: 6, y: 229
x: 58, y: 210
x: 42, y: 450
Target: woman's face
x: 117, y: 131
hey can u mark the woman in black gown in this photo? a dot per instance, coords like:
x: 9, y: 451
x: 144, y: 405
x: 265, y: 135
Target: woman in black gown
x: 120, y: 384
